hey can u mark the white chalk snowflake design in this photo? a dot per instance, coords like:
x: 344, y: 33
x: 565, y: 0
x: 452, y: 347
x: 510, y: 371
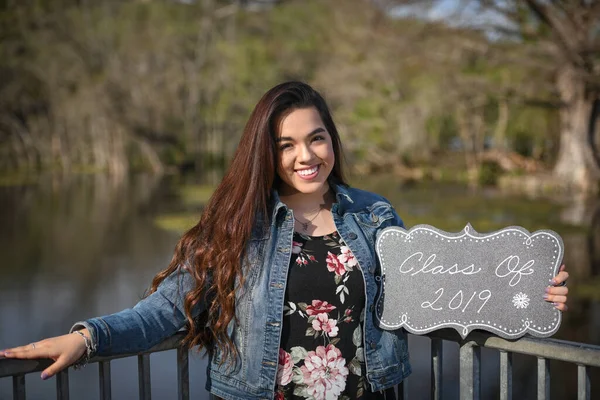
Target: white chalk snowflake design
x: 520, y: 300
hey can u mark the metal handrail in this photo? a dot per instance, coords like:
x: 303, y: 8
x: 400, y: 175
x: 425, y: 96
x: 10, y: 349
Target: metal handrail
x: 554, y: 349
x: 10, y: 366
x: 19, y: 368
x: 585, y: 356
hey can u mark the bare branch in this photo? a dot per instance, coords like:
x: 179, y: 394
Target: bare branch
x: 508, y: 13
x: 594, y: 11
x: 567, y: 37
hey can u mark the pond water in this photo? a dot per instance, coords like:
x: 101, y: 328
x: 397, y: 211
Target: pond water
x: 81, y: 246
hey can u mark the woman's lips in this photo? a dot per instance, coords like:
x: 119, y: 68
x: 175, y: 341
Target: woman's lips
x: 308, y: 173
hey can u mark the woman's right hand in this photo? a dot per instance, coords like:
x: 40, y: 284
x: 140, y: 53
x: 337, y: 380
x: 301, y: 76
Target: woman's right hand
x: 64, y: 350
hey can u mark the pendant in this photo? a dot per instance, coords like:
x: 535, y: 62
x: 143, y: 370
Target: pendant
x: 304, y: 226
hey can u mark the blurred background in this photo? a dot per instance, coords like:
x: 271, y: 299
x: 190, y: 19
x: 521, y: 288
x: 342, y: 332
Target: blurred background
x: 118, y: 118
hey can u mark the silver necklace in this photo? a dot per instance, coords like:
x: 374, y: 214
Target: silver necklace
x: 305, y: 224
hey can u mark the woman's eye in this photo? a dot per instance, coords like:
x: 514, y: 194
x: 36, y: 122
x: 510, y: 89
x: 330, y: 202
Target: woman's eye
x: 285, y: 146
x: 318, y: 137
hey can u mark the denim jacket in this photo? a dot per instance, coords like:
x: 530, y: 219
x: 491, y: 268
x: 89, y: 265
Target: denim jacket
x: 358, y: 217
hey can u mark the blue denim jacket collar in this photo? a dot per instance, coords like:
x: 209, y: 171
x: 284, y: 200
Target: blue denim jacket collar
x: 342, y: 195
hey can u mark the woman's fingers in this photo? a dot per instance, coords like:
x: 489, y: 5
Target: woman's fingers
x: 32, y: 350
x: 557, y: 294
x: 557, y: 299
x: 561, y: 306
x: 561, y: 277
x: 60, y: 364
x: 65, y: 350
x: 557, y: 290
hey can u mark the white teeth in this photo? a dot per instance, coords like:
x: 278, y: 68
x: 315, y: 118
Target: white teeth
x: 306, y: 172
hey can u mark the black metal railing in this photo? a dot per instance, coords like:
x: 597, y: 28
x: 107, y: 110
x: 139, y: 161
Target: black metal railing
x: 583, y: 355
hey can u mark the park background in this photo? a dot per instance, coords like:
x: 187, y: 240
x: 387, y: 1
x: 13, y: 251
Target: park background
x: 118, y: 117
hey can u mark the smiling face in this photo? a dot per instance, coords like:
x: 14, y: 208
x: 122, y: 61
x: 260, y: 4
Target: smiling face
x: 305, y: 153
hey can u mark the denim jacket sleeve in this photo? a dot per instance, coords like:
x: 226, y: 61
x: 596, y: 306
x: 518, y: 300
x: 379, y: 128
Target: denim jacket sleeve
x: 397, y: 221
x: 149, y: 322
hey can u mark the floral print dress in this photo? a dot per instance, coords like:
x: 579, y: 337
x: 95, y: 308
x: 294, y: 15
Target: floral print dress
x: 321, y: 353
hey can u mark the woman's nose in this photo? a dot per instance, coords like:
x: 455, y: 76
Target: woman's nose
x: 305, y: 153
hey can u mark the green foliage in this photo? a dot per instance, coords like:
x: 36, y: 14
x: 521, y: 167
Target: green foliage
x: 108, y: 82
x: 178, y: 223
x: 488, y: 173
x: 196, y: 195
x: 529, y: 126
x: 193, y: 197
x: 442, y: 129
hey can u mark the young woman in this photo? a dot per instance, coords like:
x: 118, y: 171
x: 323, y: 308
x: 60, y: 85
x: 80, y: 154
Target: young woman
x: 257, y: 281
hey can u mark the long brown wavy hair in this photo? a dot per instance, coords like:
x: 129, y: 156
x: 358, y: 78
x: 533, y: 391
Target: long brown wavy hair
x: 213, y: 250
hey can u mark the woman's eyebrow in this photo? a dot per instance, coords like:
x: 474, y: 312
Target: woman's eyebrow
x: 312, y: 133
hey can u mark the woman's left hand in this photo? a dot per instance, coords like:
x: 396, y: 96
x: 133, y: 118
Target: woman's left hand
x: 557, y: 294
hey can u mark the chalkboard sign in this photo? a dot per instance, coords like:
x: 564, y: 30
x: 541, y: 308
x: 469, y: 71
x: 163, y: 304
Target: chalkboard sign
x: 495, y: 282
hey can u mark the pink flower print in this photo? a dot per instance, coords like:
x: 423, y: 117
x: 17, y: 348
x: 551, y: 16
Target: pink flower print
x: 334, y: 264
x: 323, y: 323
x: 318, y: 307
x: 348, y: 315
x: 296, y: 247
x: 284, y: 368
x: 347, y: 258
x: 324, y: 372
x: 300, y: 260
x: 312, y: 258
x: 279, y: 396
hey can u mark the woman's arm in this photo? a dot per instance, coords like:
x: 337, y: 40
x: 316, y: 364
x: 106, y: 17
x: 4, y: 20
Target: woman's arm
x: 152, y: 320
x: 149, y: 322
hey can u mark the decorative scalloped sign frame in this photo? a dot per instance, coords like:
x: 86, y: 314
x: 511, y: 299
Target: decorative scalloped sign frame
x: 495, y: 282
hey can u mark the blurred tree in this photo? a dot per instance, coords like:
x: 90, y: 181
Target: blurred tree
x: 115, y: 84
x: 558, y: 37
x: 563, y: 35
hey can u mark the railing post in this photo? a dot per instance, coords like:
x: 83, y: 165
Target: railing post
x: 105, y: 380
x: 436, y: 369
x: 583, y: 383
x: 183, y: 373
x: 62, y: 385
x: 19, y: 387
x: 543, y: 387
x: 144, y: 376
x: 505, y: 375
x: 400, y: 390
x: 470, y: 358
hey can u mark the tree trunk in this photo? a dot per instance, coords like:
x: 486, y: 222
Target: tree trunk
x: 463, y: 133
x: 576, y: 164
x: 501, y: 124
